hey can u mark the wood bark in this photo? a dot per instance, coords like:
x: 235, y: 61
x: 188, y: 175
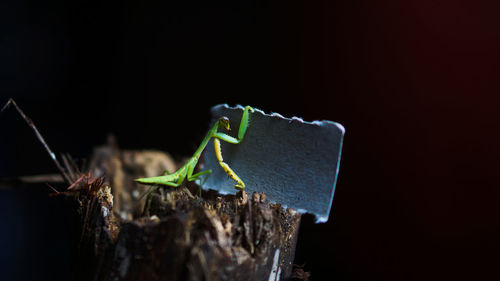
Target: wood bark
x: 180, y: 236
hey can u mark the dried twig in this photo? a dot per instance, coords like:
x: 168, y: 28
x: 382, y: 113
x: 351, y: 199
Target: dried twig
x: 8, y: 183
x: 28, y: 120
x: 67, y: 164
x: 74, y: 166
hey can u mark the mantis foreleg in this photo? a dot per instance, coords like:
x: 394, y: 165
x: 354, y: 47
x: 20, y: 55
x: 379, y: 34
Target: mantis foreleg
x: 239, y: 183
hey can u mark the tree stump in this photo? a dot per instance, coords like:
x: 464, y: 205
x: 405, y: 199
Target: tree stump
x: 180, y: 236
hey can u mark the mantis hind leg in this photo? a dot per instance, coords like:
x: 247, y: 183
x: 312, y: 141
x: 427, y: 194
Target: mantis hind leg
x: 197, y: 176
x: 193, y: 177
x: 153, y: 188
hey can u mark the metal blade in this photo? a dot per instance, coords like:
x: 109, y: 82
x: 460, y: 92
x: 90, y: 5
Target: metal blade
x: 293, y: 162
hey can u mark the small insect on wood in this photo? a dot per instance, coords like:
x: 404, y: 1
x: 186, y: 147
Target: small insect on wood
x: 186, y: 171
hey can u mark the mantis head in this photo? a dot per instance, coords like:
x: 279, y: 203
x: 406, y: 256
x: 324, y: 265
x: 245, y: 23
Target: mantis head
x: 224, y: 123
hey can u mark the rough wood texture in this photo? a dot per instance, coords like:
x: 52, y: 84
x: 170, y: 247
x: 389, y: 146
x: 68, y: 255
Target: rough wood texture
x: 181, y: 236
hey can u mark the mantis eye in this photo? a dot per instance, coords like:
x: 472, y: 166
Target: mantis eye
x: 224, y: 123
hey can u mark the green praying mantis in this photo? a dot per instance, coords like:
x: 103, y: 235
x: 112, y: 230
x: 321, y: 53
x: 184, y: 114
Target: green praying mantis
x: 186, y: 171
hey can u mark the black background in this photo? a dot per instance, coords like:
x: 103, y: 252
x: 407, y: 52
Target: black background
x: 415, y: 84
